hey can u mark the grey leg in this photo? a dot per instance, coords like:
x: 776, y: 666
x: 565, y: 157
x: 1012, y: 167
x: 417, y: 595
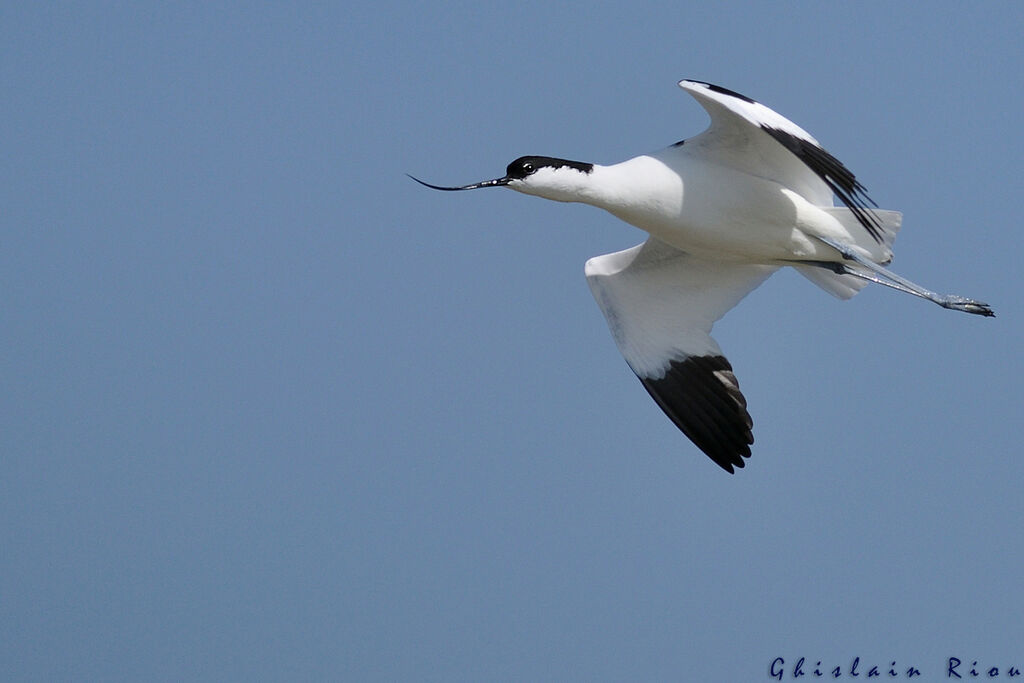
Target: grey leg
x: 884, y: 276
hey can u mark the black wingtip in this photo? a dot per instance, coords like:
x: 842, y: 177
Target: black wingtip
x: 836, y: 176
x: 701, y: 396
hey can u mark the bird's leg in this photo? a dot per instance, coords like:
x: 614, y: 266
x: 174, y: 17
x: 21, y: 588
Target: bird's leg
x: 843, y: 269
x: 884, y: 276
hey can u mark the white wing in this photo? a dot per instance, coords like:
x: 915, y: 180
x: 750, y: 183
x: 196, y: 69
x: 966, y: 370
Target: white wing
x: 751, y: 137
x: 660, y: 304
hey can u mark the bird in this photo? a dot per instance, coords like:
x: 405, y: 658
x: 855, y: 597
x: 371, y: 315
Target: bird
x: 723, y: 211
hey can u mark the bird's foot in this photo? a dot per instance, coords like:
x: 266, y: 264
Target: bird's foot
x: 962, y: 303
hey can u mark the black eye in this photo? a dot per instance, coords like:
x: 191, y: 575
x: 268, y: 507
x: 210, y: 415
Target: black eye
x: 520, y: 168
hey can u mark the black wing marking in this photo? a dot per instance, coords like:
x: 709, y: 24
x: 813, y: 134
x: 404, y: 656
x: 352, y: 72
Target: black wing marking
x: 838, y: 178
x: 701, y: 396
x: 725, y: 91
x: 729, y: 109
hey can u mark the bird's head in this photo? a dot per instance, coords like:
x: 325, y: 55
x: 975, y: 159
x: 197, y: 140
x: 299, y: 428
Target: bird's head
x: 548, y: 177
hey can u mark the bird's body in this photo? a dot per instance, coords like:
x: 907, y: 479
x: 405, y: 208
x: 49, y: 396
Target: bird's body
x: 677, y: 199
x: 724, y: 210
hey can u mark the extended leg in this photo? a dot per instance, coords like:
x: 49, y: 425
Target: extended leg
x: 884, y: 276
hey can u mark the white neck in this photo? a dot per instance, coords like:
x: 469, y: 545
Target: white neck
x: 634, y: 183
x: 639, y: 190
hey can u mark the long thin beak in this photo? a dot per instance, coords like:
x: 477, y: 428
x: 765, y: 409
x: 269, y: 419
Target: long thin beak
x: 497, y: 182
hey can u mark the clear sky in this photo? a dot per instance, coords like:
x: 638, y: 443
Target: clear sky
x: 272, y: 411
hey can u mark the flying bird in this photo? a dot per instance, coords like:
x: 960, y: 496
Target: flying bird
x: 723, y: 210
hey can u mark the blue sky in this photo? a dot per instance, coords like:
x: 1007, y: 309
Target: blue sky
x: 273, y: 411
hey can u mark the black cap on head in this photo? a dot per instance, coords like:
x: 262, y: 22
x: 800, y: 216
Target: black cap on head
x: 517, y: 170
